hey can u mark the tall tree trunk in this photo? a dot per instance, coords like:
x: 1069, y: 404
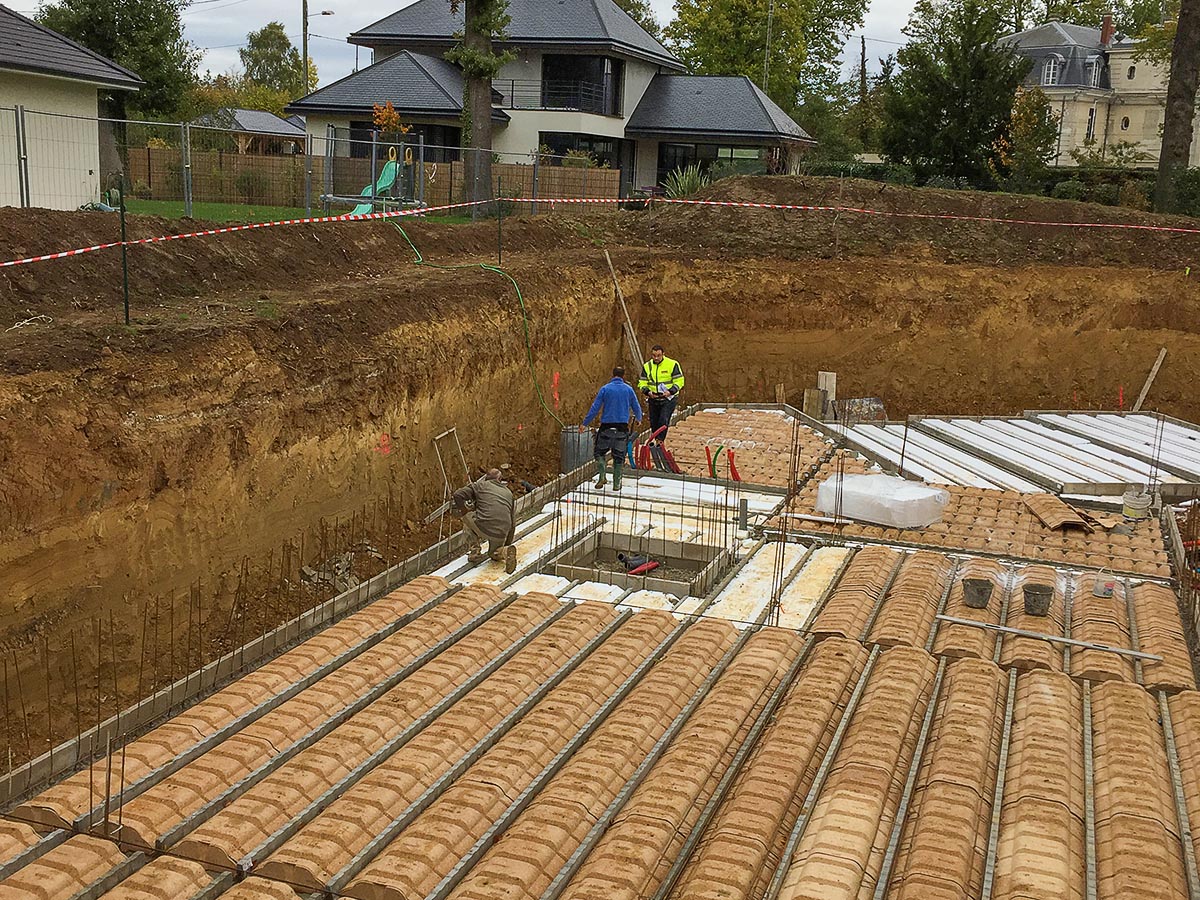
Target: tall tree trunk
x: 477, y: 106
x: 1181, y: 106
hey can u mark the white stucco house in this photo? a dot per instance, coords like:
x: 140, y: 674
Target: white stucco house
x: 585, y: 76
x: 49, y: 103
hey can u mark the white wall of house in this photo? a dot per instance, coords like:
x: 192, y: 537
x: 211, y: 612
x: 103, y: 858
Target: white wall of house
x: 638, y: 76
x: 64, y: 152
x: 525, y: 66
x: 1146, y: 75
x: 522, y: 135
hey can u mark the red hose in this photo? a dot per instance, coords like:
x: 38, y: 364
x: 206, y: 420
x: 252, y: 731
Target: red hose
x: 708, y: 452
x: 674, y: 466
x: 733, y: 472
x: 644, y: 568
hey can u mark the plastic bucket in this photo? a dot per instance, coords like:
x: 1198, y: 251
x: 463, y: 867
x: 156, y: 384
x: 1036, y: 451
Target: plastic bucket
x: 574, y: 447
x: 1135, y: 504
x: 1037, y: 599
x: 977, y: 592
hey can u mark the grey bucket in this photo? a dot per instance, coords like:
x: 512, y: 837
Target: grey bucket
x: 574, y: 447
x: 977, y: 592
x: 1037, y: 599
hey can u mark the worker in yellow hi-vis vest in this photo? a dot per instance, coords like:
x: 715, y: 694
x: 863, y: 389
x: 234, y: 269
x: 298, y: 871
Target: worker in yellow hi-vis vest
x: 660, y: 384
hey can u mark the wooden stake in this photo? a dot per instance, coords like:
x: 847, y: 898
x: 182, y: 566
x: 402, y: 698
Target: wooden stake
x: 630, y: 334
x: 1162, y: 354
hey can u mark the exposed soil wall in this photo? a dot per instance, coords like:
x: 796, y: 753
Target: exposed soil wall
x: 927, y: 337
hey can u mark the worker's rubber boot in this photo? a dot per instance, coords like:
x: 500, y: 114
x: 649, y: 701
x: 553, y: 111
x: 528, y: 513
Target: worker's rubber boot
x: 601, y: 473
x: 618, y: 465
x: 475, y: 554
x: 510, y: 558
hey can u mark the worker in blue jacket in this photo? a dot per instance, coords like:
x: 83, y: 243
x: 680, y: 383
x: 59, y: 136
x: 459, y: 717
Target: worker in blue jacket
x: 617, y: 405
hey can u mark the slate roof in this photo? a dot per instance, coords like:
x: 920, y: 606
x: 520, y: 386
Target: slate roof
x: 26, y: 46
x: 1074, y: 45
x: 711, y: 105
x: 251, y: 120
x: 415, y: 83
x: 576, y: 24
x: 1057, y: 34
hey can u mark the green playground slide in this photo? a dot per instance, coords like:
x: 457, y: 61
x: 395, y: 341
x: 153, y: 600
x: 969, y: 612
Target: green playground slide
x: 387, y: 178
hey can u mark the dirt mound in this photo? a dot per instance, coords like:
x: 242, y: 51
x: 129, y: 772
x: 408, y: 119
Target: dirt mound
x: 916, y: 221
x: 265, y: 258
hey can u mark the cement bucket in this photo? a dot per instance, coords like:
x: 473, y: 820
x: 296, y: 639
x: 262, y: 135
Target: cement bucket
x: 977, y: 592
x: 1037, y: 599
x: 574, y: 447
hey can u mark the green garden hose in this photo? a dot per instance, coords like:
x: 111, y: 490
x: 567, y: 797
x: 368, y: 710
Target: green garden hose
x: 420, y: 261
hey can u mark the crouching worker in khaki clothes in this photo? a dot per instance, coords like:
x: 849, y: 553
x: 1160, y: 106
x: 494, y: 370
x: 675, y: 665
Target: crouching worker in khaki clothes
x: 489, y: 518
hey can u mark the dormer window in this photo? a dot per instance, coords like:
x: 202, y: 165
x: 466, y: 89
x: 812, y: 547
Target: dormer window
x: 1091, y: 72
x: 1052, y: 71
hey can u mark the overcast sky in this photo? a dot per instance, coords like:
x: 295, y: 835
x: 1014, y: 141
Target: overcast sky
x: 220, y: 27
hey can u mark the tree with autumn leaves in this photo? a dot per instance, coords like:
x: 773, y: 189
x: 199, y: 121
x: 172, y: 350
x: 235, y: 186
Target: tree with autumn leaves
x: 1022, y: 152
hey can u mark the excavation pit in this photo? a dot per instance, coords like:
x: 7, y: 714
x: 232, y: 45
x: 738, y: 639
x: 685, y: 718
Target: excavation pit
x: 685, y: 569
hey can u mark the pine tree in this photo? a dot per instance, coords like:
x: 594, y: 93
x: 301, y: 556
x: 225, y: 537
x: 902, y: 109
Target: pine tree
x: 950, y: 104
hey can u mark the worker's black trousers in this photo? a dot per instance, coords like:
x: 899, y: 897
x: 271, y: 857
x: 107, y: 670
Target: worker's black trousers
x: 660, y: 416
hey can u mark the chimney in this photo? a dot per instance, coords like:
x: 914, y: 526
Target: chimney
x: 1106, y: 30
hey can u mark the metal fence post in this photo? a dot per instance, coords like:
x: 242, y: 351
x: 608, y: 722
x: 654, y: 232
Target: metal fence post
x: 307, y: 178
x: 185, y: 150
x: 330, y: 141
x: 374, y: 162
x: 537, y: 161
x: 22, y: 158
x: 421, y: 163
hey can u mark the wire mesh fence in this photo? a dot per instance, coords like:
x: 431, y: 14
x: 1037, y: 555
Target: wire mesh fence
x: 11, y: 184
x: 396, y: 170
x: 177, y: 169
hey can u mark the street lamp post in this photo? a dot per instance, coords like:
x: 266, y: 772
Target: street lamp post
x: 304, y: 41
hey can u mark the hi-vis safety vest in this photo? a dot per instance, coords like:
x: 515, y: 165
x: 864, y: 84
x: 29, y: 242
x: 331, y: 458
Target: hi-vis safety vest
x: 665, y: 377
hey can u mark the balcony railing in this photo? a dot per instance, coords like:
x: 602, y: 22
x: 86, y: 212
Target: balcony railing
x: 575, y: 95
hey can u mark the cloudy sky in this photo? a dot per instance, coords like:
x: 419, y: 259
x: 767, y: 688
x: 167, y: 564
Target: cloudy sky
x: 220, y: 26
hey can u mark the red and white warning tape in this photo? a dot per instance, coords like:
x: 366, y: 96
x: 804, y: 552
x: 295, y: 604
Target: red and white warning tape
x: 229, y: 229
x: 554, y: 201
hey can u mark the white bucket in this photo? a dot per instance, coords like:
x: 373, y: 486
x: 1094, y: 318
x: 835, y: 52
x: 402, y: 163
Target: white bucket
x: 1135, y: 504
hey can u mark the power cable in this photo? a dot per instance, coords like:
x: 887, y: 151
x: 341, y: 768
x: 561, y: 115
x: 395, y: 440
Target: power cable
x: 421, y: 261
x: 187, y: 12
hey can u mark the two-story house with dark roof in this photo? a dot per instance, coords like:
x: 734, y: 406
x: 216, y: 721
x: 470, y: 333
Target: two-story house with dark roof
x: 584, y: 76
x: 49, y: 103
x: 1101, y: 90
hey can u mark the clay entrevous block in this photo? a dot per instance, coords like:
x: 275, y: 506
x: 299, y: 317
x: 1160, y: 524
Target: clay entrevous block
x: 64, y: 871
x: 735, y: 850
x: 62, y: 803
x: 245, y: 823
x: 328, y: 843
x: 541, y: 839
x: 152, y: 814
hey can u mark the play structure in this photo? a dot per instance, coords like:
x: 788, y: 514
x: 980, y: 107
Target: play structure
x: 393, y: 186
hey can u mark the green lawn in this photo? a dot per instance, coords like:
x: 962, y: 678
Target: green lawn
x: 240, y: 212
x: 215, y: 212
